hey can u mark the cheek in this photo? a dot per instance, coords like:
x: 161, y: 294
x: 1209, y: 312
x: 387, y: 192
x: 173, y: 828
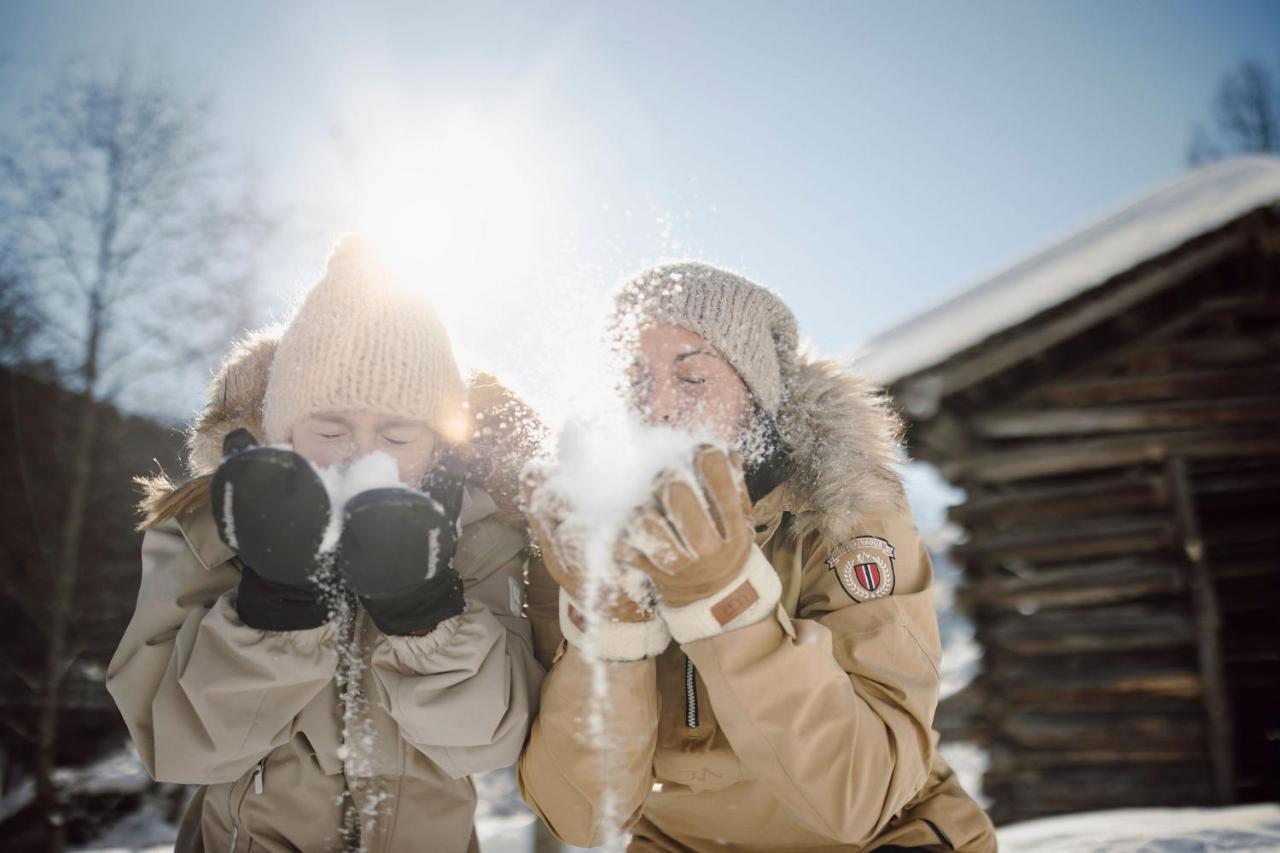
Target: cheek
x: 413, y: 463
x: 321, y: 457
x: 729, y: 409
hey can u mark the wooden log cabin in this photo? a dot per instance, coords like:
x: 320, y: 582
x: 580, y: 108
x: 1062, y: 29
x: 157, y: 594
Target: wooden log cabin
x: 1111, y: 409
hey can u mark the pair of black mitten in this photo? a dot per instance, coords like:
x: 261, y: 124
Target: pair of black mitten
x: 395, y: 553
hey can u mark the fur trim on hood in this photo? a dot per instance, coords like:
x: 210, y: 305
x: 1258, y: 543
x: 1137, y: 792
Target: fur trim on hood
x: 845, y: 441
x: 505, y: 433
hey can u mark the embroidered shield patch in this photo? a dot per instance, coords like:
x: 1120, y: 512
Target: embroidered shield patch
x: 864, y: 566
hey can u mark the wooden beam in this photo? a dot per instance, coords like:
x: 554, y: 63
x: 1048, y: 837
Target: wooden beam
x: 1208, y: 634
x: 1099, y: 496
x: 1041, y: 422
x: 1090, y: 585
x: 1084, y: 632
x: 1167, y: 386
x: 1048, y: 459
x: 1068, y: 541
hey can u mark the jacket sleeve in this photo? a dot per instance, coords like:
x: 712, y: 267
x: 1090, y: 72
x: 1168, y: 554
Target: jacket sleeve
x: 464, y: 694
x: 204, y: 696
x: 833, y: 711
x: 587, y: 774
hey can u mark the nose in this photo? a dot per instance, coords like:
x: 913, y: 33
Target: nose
x: 661, y: 404
x: 363, y: 443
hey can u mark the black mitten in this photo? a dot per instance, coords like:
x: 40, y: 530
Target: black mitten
x: 397, y: 551
x: 271, y: 508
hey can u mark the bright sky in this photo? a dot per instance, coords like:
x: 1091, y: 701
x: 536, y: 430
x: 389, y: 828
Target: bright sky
x: 865, y: 160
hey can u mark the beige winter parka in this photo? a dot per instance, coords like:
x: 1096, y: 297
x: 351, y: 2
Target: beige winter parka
x: 808, y: 730
x: 305, y: 740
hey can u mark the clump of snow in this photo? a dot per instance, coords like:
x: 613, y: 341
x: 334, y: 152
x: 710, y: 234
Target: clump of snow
x: 375, y: 471
x: 595, y: 491
x: 604, y: 471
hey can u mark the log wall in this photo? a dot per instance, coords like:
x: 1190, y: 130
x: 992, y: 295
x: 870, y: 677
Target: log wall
x: 1122, y: 550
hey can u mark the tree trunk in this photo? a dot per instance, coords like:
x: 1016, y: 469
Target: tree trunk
x: 61, y: 603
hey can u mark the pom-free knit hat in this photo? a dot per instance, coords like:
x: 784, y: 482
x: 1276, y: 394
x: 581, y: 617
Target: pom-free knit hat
x: 363, y: 342
x: 748, y: 324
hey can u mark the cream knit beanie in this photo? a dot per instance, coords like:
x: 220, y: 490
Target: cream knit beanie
x: 746, y: 323
x: 362, y: 342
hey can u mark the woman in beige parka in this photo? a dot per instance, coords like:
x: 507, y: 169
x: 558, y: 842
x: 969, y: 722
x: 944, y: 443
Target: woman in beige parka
x: 778, y: 691
x: 342, y: 703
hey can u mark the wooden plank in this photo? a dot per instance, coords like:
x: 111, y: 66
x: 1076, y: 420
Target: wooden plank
x: 1073, y: 317
x: 1194, y: 354
x: 1041, y: 422
x: 1047, y: 459
x: 1136, y: 690
x: 1167, y: 386
x: 1099, y: 496
x: 1067, y: 541
x: 1037, y: 730
x: 1088, y: 585
x: 1083, y: 632
x: 1022, y: 760
x: 1208, y: 630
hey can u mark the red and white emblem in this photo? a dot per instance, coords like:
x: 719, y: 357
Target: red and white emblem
x: 864, y: 566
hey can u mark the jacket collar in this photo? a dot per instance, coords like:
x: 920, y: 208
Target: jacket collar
x: 844, y: 445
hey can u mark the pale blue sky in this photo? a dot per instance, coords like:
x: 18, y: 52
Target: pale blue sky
x: 863, y: 159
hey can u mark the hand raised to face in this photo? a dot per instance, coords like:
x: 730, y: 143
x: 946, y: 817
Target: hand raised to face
x: 695, y: 538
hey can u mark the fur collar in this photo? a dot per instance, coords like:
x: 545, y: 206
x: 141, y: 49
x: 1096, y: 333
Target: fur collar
x: 845, y: 442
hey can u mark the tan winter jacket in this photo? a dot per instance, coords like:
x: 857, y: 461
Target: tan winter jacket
x: 807, y: 730
x: 261, y: 719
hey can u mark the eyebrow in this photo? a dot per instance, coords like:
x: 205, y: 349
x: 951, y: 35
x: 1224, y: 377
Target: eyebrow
x: 691, y: 353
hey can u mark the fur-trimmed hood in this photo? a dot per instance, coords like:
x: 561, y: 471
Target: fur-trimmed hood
x: 845, y: 442
x: 504, y: 432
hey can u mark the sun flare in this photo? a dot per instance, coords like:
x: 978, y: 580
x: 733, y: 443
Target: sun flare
x: 459, y: 210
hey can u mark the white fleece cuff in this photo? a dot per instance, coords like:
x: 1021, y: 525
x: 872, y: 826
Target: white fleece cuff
x: 612, y: 640
x: 749, y: 597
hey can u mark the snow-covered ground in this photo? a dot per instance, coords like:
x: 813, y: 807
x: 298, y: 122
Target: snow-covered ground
x: 1241, y: 828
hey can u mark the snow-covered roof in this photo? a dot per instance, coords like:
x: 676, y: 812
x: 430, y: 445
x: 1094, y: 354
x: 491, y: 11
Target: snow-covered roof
x: 1197, y: 203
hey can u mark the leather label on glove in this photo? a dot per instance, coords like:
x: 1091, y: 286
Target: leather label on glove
x: 735, y: 603
x: 579, y: 621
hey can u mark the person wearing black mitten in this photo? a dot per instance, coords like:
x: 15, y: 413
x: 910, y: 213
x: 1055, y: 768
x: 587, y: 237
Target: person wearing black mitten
x: 270, y: 507
x: 314, y: 733
x: 397, y: 550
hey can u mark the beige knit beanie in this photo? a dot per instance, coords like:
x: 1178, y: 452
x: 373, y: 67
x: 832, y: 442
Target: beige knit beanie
x: 362, y: 342
x: 746, y: 323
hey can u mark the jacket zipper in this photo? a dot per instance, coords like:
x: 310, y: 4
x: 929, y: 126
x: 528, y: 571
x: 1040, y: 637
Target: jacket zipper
x: 690, y: 695
x: 258, y: 771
